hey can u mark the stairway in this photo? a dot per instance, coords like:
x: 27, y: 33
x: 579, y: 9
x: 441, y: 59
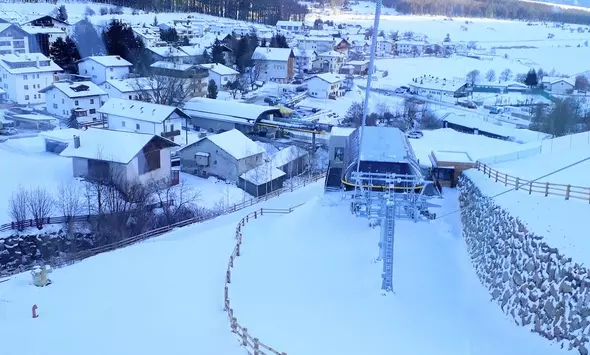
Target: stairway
x: 388, y: 240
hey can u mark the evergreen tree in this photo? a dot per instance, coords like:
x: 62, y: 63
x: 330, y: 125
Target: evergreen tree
x: 87, y: 39
x: 212, y: 89
x: 185, y: 41
x: 217, y: 53
x: 447, y: 38
x: 279, y: 41
x: 65, y: 54
x: 155, y: 23
x: 62, y: 14
x: 170, y: 35
x: 206, y: 57
x: 73, y: 121
x: 531, y: 78
x: 263, y: 43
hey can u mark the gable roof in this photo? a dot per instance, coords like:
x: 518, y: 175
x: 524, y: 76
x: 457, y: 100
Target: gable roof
x: 287, y: 155
x: 262, y: 174
x: 139, y: 110
x: 236, y: 144
x: 76, y: 89
x: 4, y: 26
x: 47, y: 16
x: 219, y: 69
x: 108, y: 60
x: 109, y: 145
x: 329, y: 78
x: 198, y: 106
x: 273, y: 54
x: 130, y: 84
x: 34, y: 58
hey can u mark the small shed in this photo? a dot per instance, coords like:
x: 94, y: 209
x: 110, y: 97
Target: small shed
x: 447, y: 165
x: 262, y: 180
x: 59, y: 139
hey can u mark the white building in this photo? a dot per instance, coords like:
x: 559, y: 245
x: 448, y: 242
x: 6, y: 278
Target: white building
x: 221, y: 74
x: 23, y: 75
x: 291, y: 26
x: 438, y: 89
x: 304, y: 59
x: 103, y: 68
x: 409, y: 47
x: 144, y: 117
x: 147, y: 35
x: 13, y: 39
x: 277, y: 64
x: 125, y: 157
x: 130, y: 89
x: 558, y: 85
x: 384, y: 47
x: 330, y: 61
x: 318, y: 44
x: 53, y: 33
x: 82, y: 98
x: 325, y: 86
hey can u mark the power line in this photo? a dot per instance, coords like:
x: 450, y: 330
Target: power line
x: 520, y: 185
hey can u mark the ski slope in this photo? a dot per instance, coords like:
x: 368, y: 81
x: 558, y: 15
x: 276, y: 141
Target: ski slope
x: 306, y: 283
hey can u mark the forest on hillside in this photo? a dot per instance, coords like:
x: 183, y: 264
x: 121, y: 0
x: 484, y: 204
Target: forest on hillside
x: 502, y: 9
x: 259, y: 11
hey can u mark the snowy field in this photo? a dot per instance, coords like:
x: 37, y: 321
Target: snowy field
x: 162, y: 296
x: 307, y: 287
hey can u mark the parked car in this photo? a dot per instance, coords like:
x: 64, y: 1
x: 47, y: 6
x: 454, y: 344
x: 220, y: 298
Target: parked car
x: 415, y: 134
x: 8, y: 131
x: 272, y: 100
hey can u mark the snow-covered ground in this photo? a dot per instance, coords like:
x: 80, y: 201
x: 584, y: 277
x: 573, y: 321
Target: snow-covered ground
x: 213, y: 192
x: 305, y: 286
x: 164, y: 295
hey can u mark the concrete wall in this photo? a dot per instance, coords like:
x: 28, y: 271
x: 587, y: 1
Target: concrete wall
x: 532, y: 282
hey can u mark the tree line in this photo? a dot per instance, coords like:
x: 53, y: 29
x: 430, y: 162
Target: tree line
x: 503, y: 9
x: 259, y: 11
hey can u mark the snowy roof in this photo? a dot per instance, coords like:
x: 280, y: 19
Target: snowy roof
x: 262, y: 174
x: 441, y: 85
x: 555, y: 80
x: 244, y: 112
x: 341, y: 131
x: 75, y: 89
x: 194, y: 50
x: 139, y: 110
x: 287, y: 155
x: 452, y: 156
x: 331, y: 54
x: 168, y: 51
x: 383, y: 144
x: 172, y: 65
x: 110, y: 145
x: 62, y: 135
x: 289, y: 23
x: 37, y: 29
x: 36, y: 63
x: 329, y: 78
x: 219, y: 69
x: 236, y: 144
x: 358, y: 62
x: 273, y: 54
x: 130, y: 84
x: 410, y: 43
x: 108, y: 60
x: 481, y: 125
x: 316, y: 39
x: 304, y: 53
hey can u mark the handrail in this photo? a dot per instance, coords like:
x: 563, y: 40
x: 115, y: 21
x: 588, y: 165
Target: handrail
x: 538, y: 187
x: 252, y: 344
x: 159, y: 231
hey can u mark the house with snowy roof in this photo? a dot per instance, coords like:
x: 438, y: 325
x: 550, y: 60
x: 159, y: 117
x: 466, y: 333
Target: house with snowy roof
x: 276, y: 64
x: 144, y: 117
x: 103, y: 68
x: 304, y: 59
x: 119, y: 156
x: 292, y: 160
x: 558, y: 85
x: 330, y: 61
x: 13, y: 39
x: 141, y: 89
x: 290, y: 26
x: 81, y: 98
x: 226, y: 155
x: 23, y: 75
x: 326, y: 85
x: 220, y: 74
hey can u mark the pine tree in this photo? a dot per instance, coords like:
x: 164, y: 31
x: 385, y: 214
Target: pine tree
x: 217, y: 53
x: 206, y: 57
x: 212, y: 89
x: 185, y: 41
x: 531, y: 78
x: 155, y: 23
x: 447, y: 38
x: 73, y: 121
x: 62, y: 13
x: 58, y: 52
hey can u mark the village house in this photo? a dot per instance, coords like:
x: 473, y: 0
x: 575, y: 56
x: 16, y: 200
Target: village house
x: 191, y: 77
x: 41, y: 38
x: 355, y: 67
x: 103, y: 68
x: 290, y: 26
x: 277, y: 64
x: 13, y: 39
x: 141, y: 89
x: 405, y: 47
x: 169, y: 54
x: 330, y: 61
x: 292, y: 160
x: 82, y: 99
x: 220, y: 74
x: 119, y: 156
x: 325, y: 86
x: 558, y: 85
x: 384, y: 47
x: 144, y: 117
x: 48, y: 21
x: 225, y: 155
x: 438, y: 89
x: 304, y: 59
x: 23, y: 75
x: 262, y: 180
x: 149, y: 37
x: 317, y: 44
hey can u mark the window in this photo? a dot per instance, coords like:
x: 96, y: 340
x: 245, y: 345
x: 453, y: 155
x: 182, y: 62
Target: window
x: 92, y: 111
x: 25, y: 77
x: 76, y: 102
x: 171, y: 127
x: 130, y: 97
x: 63, y: 101
x: 34, y: 96
x: 137, y: 126
x: 26, y: 87
x: 37, y: 76
x: 215, y: 162
x: 111, y: 69
x: 26, y: 97
x: 54, y: 105
x: 122, y: 123
x: 91, y: 101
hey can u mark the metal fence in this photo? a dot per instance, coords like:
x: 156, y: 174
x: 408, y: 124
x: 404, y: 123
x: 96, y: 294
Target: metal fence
x: 537, y: 187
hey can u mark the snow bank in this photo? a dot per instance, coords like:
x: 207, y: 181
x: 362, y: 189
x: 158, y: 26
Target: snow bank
x: 533, y: 282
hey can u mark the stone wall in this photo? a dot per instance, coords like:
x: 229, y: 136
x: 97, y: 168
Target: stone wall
x: 19, y: 252
x: 538, y: 286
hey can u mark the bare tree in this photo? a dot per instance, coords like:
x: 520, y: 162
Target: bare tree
x: 70, y: 204
x: 506, y: 75
x: 473, y: 76
x: 40, y: 205
x: 490, y: 75
x: 177, y: 202
x: 166, y: 90
x: 18, y: 207
x: 258, y: 66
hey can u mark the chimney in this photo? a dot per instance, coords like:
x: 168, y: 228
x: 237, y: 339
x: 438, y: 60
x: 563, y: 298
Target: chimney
x: 76, y: 142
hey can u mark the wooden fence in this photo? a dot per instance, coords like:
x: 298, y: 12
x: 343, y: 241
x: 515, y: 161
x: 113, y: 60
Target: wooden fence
x: 252, y: 344
x: 71, y: 259
x: 537, y: 187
